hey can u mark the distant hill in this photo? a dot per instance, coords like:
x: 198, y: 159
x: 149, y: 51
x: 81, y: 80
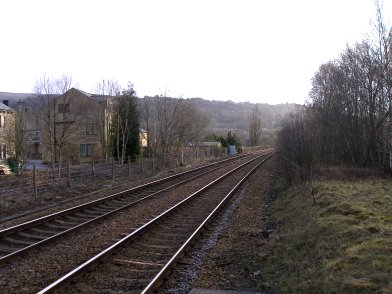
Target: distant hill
x: 14, y: 97
x: 225, y: 115
x: 231, y: 115
x: 228, y: 115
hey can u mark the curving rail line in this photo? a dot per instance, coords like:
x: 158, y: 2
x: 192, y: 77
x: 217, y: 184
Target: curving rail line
x: 19, y: 239
x: 138, y: 262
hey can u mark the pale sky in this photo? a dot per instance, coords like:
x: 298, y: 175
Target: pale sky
x: 256, y: 51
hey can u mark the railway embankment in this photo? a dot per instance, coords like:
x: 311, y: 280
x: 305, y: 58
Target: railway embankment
x: 340, y: 244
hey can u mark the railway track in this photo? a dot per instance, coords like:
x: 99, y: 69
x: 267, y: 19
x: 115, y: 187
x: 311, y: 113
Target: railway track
x: 20, y: 239
x: 139, y: 261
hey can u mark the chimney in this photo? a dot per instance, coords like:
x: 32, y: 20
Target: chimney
x: 5, y: 102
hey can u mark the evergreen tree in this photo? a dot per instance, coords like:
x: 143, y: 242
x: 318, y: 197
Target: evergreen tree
x: 126, y: 129
x: 232, y: 139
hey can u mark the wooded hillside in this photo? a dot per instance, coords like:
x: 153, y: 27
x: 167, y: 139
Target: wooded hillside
x: 224, y: 115
x: 231, y: 115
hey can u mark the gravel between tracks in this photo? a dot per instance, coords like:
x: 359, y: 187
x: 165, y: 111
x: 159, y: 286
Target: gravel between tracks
x: 39, y: 268
x: 228, y: 257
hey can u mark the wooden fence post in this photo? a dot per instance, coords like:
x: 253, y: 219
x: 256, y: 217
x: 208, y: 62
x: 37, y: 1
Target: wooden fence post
x: 92, y: 169
x: 34, y: 182
x: 129, y: 168
x: 69, y: 175
x: 113, y: 168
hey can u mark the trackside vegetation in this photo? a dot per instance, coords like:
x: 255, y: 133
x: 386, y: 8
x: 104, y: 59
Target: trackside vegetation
x: 341, y: 244
x: 334, y: 233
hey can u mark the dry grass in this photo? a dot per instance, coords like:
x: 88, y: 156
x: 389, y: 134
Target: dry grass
x: 343, y: 244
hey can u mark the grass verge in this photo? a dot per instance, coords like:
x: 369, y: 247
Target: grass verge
x: 343, y: 244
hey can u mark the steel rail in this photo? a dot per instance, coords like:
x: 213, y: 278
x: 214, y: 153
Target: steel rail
x: 7, y: 231
x: 170, y: 264
x: 39, y: 221
x: 139, y: 231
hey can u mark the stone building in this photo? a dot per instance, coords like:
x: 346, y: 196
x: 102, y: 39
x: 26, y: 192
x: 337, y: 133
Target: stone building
x: 75, y: 127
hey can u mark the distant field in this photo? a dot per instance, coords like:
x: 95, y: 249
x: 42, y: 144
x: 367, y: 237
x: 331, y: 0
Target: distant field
x: 343, y: 244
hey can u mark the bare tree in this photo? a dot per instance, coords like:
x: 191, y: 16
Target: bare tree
x: 255, y: 126
x: 200, y: 123
x: 190, y: 127
x: 58, y: 113
x: 351, y: 102
x: 296, y: 146
x: 147, y: 120
x: 104, y: 93
x: 171, y: 124
x: 168, y: 114
x: 45, y: 89
x: 68, y: 112
x: 22, y: 151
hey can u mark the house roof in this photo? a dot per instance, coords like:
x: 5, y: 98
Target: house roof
x: 97, y: 97
x: 83, y: 92
x: 5, y: 107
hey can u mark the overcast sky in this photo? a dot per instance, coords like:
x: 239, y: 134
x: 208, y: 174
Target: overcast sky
x: 256, y: 51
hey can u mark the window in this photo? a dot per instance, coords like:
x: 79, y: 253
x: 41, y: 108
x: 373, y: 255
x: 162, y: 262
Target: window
x: 91, y: 128
x: 2, y: 121
x: 26, y: 109
x: 86, y: 150
x: 63, y: 108
x: 36, y: 119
